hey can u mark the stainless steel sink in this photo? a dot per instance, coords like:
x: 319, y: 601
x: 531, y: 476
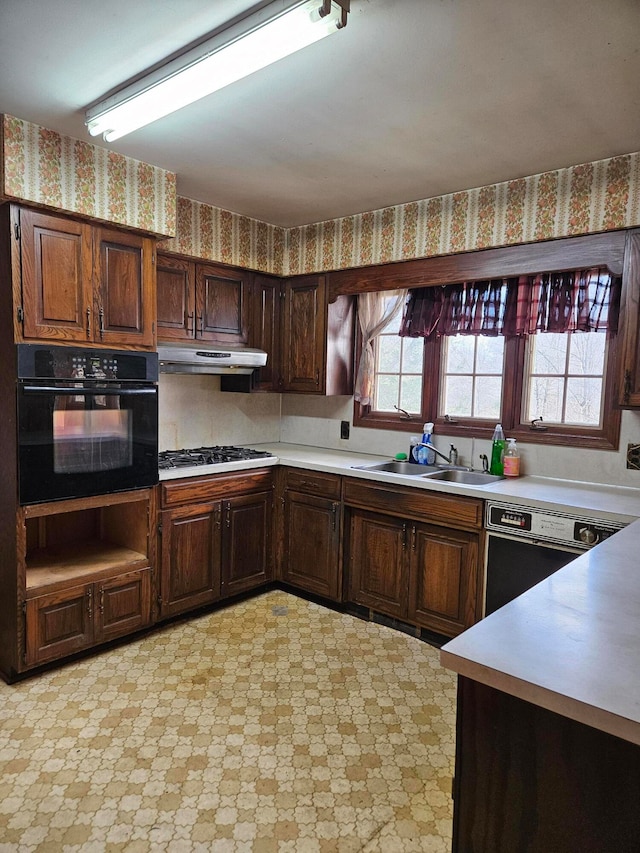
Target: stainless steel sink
x: 468, y: 478
x: 395, y: 466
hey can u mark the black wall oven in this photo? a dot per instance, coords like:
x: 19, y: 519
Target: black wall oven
x: 87, y: 422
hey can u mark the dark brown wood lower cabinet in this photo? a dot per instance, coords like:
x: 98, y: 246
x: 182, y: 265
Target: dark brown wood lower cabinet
x: 312, y: 544
x: 215, y: 538
x: 528, y: 780
x: 423, y: 573
x: 59, y: 624
x: 378, y: 569
x: 190, y: 554
x: 246, y: 542
x: 69, y: 620
x: 442, y: 578
x: 123, y: 605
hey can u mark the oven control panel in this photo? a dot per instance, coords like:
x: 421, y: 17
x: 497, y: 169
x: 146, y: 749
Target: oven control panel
x: 548, y: 526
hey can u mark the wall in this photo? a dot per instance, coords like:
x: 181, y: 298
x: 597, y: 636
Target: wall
x: 41, y: 166
x: 316, y: 422
x: 193, y: 412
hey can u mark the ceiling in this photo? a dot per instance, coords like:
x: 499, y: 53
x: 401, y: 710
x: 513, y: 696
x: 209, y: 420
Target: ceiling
x: 415, y: 98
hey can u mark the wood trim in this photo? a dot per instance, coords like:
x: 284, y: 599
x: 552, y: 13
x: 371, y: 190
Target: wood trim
x: 606, y: 249
x: 191, y: 490
x: 407, y: 502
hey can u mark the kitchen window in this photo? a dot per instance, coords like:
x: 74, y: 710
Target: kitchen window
x: 544, y: 385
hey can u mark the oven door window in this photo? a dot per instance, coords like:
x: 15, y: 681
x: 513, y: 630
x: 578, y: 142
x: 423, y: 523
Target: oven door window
x: 91, y: 439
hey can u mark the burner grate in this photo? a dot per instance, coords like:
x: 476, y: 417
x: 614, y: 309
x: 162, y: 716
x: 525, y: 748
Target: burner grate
x: 168, y: 459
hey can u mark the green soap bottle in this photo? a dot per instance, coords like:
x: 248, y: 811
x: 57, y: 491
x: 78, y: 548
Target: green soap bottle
x: 497, y: 451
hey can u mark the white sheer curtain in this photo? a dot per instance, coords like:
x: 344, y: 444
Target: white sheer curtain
x: 375, y: 312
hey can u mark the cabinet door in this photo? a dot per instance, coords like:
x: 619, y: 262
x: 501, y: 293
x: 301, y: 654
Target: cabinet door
x: 629, y: 382
x: 59, y: 624
x: 443, y: 573
x: 123, y: 604
x: 304, y: 330
x: 57, y: 294
x: 264, y: 331
x: 190, y: 558
x: 175, y: 281
x: 125, y: 288
x: 311, y: 558
x: 377, y: 563
x: 221, y: 304
x: 246, y: 542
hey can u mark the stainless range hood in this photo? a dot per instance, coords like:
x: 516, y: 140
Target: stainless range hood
x: 209, y: 358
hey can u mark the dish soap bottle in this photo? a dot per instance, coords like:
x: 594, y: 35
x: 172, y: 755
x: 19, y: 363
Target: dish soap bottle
x: 426, y: 456
x: 511, y: 459
x: 414, y: 441
x: 497, y: 450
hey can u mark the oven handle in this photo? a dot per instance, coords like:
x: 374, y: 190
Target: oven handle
x: 78, y: 392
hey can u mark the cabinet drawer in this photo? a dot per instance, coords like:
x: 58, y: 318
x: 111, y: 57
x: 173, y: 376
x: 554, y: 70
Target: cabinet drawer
x: 313, y: 482
x: 415, y: 503
x: 216, y: 487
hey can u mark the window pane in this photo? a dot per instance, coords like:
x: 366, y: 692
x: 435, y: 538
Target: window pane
x: 549, y: 353
x: 488, y: 397
x: 545, y: 399
x: 388, y: 353
x: 387, y: 392
x: 459, y: 354
x: 490, y: 357
x: 586, y: 353
x: 458, y: 396
x: 411, y: 394
x: 394, y: 326
x: 584, y: 401
x: 412, y: 354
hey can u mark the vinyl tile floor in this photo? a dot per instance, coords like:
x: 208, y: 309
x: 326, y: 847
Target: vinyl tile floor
x: 272, y: 725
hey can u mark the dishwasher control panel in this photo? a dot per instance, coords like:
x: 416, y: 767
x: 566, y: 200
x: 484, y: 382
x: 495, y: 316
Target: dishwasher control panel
x: 548, y: 526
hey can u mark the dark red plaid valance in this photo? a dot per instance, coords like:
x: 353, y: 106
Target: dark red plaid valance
x: 571, y: 301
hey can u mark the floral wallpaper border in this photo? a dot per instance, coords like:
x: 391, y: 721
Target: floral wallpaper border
x: 599, y: 196
x: 44, y: 167
x: 215, y: 234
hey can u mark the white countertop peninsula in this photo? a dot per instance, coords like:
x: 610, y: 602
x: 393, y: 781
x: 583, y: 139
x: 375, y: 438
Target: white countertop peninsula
x: 571, y: 644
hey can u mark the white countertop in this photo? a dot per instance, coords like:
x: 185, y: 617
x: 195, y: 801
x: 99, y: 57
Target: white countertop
x: 571, y: 644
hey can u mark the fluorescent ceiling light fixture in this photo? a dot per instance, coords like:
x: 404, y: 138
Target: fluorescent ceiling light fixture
x: 275, y: 31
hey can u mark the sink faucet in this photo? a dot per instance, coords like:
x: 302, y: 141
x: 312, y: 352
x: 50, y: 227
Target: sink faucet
x: 436, y: 451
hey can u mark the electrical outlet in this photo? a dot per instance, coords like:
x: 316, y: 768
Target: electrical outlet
x: 344, y: 429
x: 633, y: 456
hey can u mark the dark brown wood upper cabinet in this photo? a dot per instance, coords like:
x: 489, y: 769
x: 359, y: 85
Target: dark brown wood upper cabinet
x: 125, y: 301
x: 77, y: 283
x: 57, y: 290
x: 175, y: 280
x: 203, y: 302
x: 221, y: 304
x: 304, y: 330
x: 317, y: 338
x: 264, y: 329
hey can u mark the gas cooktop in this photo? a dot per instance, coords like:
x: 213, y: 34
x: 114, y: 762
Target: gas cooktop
x: 169, y: 459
